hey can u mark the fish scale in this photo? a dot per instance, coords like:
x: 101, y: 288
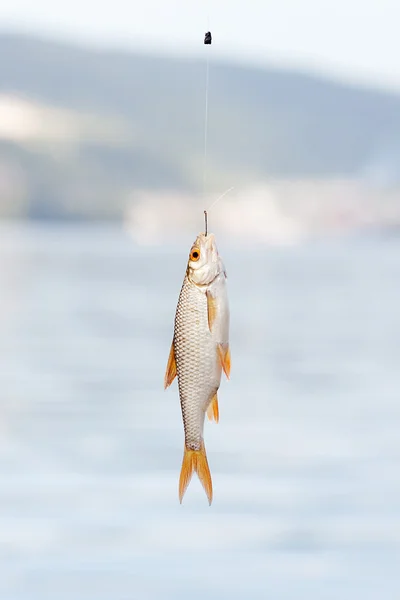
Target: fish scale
x: 199, y: 352
x: 195, y: 355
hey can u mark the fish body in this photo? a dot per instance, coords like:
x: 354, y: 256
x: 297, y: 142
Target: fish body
x: 199, y: 352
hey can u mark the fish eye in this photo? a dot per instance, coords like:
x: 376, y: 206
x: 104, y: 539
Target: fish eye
x: 195, y: 254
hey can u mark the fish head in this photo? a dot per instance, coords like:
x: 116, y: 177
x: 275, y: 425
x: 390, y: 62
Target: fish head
x: 204, y: 263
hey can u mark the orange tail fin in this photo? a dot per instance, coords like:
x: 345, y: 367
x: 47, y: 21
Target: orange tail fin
x: 195, y: 461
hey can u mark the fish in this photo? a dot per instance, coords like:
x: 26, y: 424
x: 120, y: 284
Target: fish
x: 199, y: 353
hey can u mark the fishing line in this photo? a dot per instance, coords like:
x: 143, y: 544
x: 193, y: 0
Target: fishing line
x: 219, y: 198
x: 207, y: 42
x: 206, y: 124
x: 213, y: 204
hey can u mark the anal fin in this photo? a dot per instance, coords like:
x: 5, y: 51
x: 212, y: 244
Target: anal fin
x: 225, y: 357
x: 213, y: 410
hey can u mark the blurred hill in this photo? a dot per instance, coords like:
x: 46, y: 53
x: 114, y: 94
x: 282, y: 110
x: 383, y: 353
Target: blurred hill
x: 82, y: 130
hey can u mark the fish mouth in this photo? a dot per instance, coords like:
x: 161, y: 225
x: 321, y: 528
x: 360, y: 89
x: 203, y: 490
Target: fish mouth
x: 208, y: 240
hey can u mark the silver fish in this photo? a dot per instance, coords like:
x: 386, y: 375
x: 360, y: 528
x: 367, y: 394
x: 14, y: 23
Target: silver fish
x: 199, y: 352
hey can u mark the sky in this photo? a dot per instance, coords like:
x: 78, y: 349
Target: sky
x: 354, y: 40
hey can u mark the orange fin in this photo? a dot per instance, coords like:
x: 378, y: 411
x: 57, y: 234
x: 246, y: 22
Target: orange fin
x: 212, y: 309
x: 195, y: 461
x: 170, y: 373
x: 225, y: 358
x: 212, y: 410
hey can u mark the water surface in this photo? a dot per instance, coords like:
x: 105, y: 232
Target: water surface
x: 305, y: 459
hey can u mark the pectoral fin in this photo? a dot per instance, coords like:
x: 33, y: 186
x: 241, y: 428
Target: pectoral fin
x: 212, y: 309
x: 225, y: 358
x: 212, y: 410
x: 170, y: 373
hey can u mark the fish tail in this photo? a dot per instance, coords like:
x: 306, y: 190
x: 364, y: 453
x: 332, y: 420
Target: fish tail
x: 195, y: 461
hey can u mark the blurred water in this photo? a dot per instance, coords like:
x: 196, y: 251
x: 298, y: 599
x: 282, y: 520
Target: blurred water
x: 305, y: 459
